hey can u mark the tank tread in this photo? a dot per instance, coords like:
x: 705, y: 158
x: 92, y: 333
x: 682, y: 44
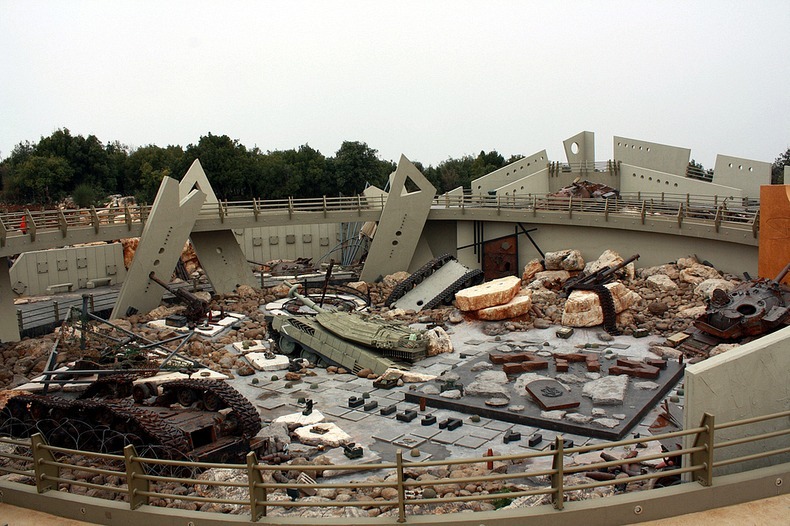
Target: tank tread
x: 152, y: 427
x: 416, y: 278
x: 607, y: 307
x: 248, y: 416
x: 471, y: 278
x: 119, y: 384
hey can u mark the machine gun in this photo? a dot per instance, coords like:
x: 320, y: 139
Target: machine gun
x: 197, y: 309
x: 595, y: 279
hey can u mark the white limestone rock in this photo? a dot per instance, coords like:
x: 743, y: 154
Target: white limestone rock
x: 489, y: 384
x: 698, y: 273
x: 553, y: 415
x: 667, y: 353
x: 300, y: 419
x: 706, y: 288
x: 258, y: 360
x: 692, y: 312
x: 671, y: 271
x: 524, y: 379
x: 661, y: 282
x: 610, y: 423
x: 583, y: 307
x: 518, y: 306
x: 333, y: 437
x: 564, y: 260
x: 578, y: 418
x: 530, y: 269
x: 646, y: 386
x: 609, y: 390
x: 438, y: 341
x: 452, y: 394
x: 552, y: 279
x: 722, y: 348
x: 495, y: 292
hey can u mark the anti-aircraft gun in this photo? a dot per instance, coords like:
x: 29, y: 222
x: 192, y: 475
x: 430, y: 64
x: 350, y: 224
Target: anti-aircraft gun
x: 596, y: 281
x: 348, y: 339
x: 197, y: 308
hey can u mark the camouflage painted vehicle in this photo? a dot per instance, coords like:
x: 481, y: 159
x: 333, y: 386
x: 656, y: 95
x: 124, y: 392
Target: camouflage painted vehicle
x: 347, y: 339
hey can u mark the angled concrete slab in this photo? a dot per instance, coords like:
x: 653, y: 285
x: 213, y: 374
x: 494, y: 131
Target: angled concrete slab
x: 219, y: 252
x: 401, y: 223
x: 161, y: 243
x: 9, y: 330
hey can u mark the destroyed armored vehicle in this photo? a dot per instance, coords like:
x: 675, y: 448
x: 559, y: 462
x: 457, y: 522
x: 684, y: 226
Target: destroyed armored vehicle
x: 434, y: 283
x: 347, y: 339
x: 199, y: 420
x: 752, y: 309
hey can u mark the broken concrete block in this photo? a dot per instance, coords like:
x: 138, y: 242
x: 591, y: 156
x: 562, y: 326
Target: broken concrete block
x: 564, y: 260
x: 518, y: 306
x: 583, y: 307
x: 609, y: 390
x: 530, y: 269
x: 327, y: 434
x: 496, y: 292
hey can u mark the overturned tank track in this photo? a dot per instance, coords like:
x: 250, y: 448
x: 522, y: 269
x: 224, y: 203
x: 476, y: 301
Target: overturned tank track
x: 416, y: 278
x: 470, y: 279
x: 111, y: 386
x: 607, y: 307
x: 248, y: 416
x: 120, y: 415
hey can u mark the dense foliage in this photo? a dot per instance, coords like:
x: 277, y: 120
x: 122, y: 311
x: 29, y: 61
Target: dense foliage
x: 83, y: 167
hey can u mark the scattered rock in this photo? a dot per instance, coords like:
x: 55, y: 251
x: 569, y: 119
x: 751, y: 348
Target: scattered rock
x: 609, y: 390
x: 495, y: 292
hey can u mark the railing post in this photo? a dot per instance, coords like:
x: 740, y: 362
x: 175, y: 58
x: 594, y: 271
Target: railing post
x: 570, y: 208
x: 644, y: 210
x: 324, y: 201
x: 84, y: 321
x: 92, y: 303
x: 56, y: 310
x: 680, y: 215
x: 401, y: 489
x: 558, y: 495
x: 606, y: 210
x: 94, y: 219
x: 705, y: 458
x: 19, y: 320
x: 134, y: 483
x: 257, y: 494
x: 43, y: 471
x: 756, y: 224
x: 62, y: 223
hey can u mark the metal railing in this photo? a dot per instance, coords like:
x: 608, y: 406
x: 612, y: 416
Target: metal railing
x: 719, y: 209
x: 42, y: 319
x: 45, y: 465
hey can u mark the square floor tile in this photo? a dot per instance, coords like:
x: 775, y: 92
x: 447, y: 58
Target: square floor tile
x: 470, y: 442
x: 387, y: 434
x: 355, y: 416
x: 484, y: 433
x: 497, y: 425
x: 408, y: 441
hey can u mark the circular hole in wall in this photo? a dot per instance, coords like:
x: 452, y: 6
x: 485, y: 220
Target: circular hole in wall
x: 394, y: 242
x: 156, y: 262
x: 398, y: 233
x: 219, y: 250
x: 575, y: 148
x: 162, y: 250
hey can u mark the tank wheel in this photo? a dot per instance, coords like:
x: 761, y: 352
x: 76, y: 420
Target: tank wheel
x: 38, y: 410
x: 211, y: 401
x: 186, y: 396
x: 310, y: 356
x: 287, y: 345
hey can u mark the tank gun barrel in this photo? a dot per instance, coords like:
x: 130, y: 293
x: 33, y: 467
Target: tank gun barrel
x: 304, y: 299
x: 782, y: 274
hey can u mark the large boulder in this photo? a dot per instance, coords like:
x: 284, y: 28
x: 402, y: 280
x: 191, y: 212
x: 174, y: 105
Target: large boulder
x: 495, y: 292
x: 696, y: 274
x: 516, y: 307
x: 552, y: 279
x: 706, y: 288
x: 610, y: 258
x: 661, y: 282
x: 564, y: 260
x: 530, y: 269
x: 438, y: 341
x: 583, y: 307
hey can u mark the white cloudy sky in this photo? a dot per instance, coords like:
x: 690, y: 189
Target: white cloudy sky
x: 428, y: 79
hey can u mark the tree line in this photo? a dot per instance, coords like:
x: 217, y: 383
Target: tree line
x: 88, y: 170
x: 63, y: 165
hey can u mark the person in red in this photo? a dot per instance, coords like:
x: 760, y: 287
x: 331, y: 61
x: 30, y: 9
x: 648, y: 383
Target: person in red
x: 23, y: 224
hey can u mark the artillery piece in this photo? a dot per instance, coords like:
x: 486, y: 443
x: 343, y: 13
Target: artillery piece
x: 596, y: 281
x: 347, y: 339
x: 197, y: 309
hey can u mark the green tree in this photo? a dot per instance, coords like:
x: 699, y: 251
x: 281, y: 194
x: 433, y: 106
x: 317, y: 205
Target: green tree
x: 40, y: 179
x: 227, y: 164
x: 778, y: 168
x: 87, y: 157
x: 354, y: 165
x: 145, y: 167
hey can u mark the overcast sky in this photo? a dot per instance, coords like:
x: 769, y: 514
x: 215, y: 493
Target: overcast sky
x: 430, y: 80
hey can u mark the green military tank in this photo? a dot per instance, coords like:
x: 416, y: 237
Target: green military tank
x: 348, y: 339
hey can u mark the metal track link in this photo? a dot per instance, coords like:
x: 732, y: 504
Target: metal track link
x: 111, y: 386
x: 151, y: 426
x: 247, y: 414
x: 416, y: 278
x: 607, y: 307
x: 471, y: 278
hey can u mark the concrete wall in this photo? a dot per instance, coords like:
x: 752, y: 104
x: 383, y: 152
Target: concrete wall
x: 749, y: 381
x: 745, y: 174
x: 264, y: 244
x: 655, y: 249
x: 651, y: 155
x: 580, y: 149
x: 537, y: 183
x: 636, y: 179
x: 33, y: 272
x: 512, y: 172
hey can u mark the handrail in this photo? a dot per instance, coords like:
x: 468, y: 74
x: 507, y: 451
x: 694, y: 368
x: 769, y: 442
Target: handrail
x: 47, y: 471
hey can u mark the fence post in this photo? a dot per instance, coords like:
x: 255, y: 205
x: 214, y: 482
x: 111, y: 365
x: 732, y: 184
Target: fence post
x: 93, y: 303
x: 56, y: 310
x: 134, y: 483
x: 705, y: 439
x: 401, y: 490
x: 257, y: 494
x: 558, y: 496
x: 19, y: 320
x: 43, y: 471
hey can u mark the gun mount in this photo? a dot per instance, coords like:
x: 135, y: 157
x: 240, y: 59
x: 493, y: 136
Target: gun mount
x: 197, y: 308
x: 596, y: 282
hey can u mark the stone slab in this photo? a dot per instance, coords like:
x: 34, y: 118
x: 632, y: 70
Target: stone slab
x: 471, y: 442
x: 355, y: 416
x: 409, y: 441
x: 258, y: 360
x: 482, y: 432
